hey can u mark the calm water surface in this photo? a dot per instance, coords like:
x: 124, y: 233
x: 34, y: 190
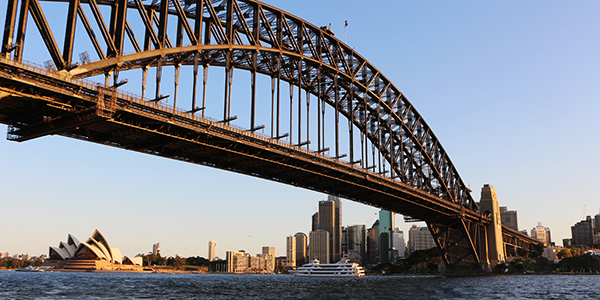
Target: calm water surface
x: 57, y: 285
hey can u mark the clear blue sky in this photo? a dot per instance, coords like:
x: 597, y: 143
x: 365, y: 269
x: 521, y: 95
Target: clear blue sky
x: 510, y: 88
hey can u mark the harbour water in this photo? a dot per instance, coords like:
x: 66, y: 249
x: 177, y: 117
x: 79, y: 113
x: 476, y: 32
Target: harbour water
x: 63, y: 285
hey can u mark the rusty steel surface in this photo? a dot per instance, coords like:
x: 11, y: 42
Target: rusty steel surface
x: 400, y: 165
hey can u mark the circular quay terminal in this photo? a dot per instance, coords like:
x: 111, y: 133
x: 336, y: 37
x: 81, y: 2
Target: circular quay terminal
x: 245, y: 149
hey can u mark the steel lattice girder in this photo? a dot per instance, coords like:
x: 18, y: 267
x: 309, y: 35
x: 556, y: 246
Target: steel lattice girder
x: 460, y: 242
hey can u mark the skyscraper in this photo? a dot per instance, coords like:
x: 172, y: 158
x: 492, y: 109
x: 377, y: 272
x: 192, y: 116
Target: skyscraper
x: 300, y: 249
x: 398, y: 242
x: 357, y: 243
x: 327, y: 223
x: 319, y: 245
x: 315, y: 222
x: 541, y: 233
x: 156, y: 249
x: 212, y: 250
x: 337, y: 227
x: 582, y: 232
x: 509, y: 218
x: 372, y: 251
x: 344, y: 241
x: 290, y: 251
x: 596, y: 228
x: 386, y: 226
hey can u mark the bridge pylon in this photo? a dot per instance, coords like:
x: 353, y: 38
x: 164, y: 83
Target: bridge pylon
x: 488, y: 206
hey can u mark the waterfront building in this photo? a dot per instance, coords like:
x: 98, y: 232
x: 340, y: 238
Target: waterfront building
x: 256, y: 263
x: 386, y: 226
x: 156, y: 249
x: 212, y: 250
x: 567, y: 242
x: 319, y: 246
x: 541, y: 233
x: 357, y: 243
x: 280, y: 262
x: 550, y: 253
x: 301, y: 244
x: 399, y: 244
x: 269, y: 262
x: 290, y: 251
x: 372, y: 251
x: 419, y: 238
x: 237, y: 261
x: 509, y: 218
x: 93, y: 254
x: 582, y: 232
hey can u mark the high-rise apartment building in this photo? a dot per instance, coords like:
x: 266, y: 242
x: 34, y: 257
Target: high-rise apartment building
x: 156, y: 249
x: 268, y: 253
x: 419, y: 238
x: 237, y: 261
x: 290, y: 251
x: 268, y: 250
x: 212, y: 250
x: 319, y: 246
x: 386, y: 226
x: 509, y: 218
x: 301, y: 244
x: 399, y: 244
x: 583, y: 232
x: 356, y: 243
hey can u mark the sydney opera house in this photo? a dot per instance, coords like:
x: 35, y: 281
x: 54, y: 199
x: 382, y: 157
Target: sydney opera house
x: 93, y: 254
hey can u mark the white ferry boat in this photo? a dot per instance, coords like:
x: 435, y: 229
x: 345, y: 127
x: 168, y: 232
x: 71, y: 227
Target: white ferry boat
x: 340, y: 269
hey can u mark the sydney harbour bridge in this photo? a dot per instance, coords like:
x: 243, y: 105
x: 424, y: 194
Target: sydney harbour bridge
x: 312, y: 112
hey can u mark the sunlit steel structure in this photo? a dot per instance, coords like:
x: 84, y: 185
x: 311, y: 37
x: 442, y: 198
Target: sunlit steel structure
x: 392, y: 158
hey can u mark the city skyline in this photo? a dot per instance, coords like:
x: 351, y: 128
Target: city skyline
x: 513, y: 103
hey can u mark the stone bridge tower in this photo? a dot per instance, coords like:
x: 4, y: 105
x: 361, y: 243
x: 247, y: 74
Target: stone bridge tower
x: 489, y: 206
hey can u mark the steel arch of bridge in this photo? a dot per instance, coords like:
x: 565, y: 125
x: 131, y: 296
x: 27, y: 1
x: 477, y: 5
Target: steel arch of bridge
x: 250, y: 35
x: 253, y: 36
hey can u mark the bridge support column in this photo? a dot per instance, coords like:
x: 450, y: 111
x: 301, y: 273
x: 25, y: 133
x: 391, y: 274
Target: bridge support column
x: 495, y: 246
